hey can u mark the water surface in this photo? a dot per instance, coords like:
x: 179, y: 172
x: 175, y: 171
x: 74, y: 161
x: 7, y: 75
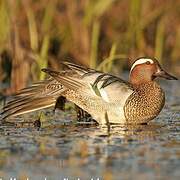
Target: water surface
x: 67, y: 150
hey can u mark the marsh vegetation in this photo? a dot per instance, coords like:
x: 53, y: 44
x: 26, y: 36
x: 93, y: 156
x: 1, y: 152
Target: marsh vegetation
x: 107, y: 35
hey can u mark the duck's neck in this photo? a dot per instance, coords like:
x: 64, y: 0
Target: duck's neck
x: 148, y: 86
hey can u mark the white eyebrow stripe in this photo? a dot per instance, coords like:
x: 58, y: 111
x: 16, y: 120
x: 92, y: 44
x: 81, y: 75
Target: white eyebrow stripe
x: 141, y: 61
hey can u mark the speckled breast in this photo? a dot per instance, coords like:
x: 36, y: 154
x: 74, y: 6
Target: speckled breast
x: 144, y: 104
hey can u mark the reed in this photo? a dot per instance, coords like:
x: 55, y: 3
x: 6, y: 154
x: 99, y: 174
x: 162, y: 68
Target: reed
x: 175, y: 53
x: 94, y: 33
x: 94, y: 44
x: 33, y: 32
x: 4, y: 23
x: 159, y: 42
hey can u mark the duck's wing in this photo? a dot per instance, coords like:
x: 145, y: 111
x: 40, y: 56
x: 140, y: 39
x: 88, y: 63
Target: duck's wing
x: 91, y: 83
x: 38, y: 96
x: 111, y: 87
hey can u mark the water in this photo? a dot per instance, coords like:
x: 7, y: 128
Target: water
x: 58, y: 151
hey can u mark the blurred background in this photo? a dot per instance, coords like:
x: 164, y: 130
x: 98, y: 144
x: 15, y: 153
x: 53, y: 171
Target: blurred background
x: 104, y: 34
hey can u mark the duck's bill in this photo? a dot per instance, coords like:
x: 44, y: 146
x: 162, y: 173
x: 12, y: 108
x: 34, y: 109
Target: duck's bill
x: 164, y: 74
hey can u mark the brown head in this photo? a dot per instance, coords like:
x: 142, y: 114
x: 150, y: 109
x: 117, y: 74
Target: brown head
x: 144, y: 70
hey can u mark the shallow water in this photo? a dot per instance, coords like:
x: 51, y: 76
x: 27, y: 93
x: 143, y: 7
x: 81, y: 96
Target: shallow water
x: 58, y: 151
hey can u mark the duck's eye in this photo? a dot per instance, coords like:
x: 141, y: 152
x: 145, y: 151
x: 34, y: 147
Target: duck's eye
x: 148, y: 63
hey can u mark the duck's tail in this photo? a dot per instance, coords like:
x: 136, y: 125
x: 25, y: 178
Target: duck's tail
x: 40, y: 95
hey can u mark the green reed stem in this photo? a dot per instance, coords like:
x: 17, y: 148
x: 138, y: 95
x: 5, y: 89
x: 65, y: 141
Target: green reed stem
x: 94, y: 44
x: 159, y: 40
x: 108, y: 60
x: 32, y: 29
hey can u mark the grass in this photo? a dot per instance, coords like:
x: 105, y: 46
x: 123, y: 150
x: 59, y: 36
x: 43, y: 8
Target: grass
x: 4, y: 23
x: 93, y: 33
x: 159, y: 40
x: 94, y: 44
x: 107, y: 63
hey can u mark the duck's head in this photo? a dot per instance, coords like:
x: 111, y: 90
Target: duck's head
x: 144, y: 70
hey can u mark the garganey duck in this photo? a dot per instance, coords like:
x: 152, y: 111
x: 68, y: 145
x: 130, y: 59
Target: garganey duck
x: 104, y: 96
